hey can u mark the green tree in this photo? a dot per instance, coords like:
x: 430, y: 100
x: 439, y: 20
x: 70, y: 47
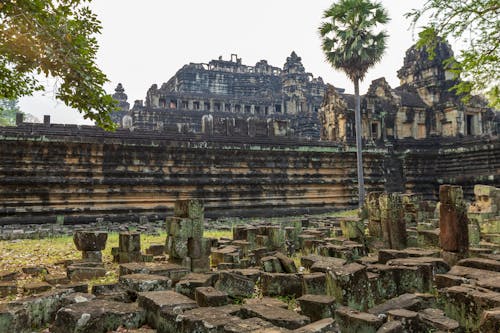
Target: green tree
x: 8, y: 110
x: 475, y: 25
x: 351, y: 45
x: 55, y: 38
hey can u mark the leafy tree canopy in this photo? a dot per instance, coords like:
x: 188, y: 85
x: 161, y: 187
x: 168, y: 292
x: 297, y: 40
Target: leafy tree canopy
x: 8, y: 110
x: 54, y: 38
x: 475, y: 24
x: 348, y: 37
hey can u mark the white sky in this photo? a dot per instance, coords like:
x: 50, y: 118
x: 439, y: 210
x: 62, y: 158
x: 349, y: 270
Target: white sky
x: 146, y: 42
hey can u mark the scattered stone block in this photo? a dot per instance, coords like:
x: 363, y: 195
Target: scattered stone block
x: 274, y: 302
x: 406, y: 318
x: 209, y: 296
x: 349, y: 285
x: 466, y: 304
x: 99, y: 316
x: 81, y: 273
x: 145, y: 282
x: 317, y: 307
x: 490, y: 321
x: 56, y: 279
x: 112, y: 292
x: 205, y: 320
x: 271, y: 264
x: 235, y: 285
x: 8, y: 275
x: 434, y: 319
x: 156, y: 249
x: 281, y: 284
x: 287, y: 263
x: 314, y: 283
x: 190, y: 282
x: 36, y: 287
x: 90, y: 240
x: 481, y: 263
x: 321, y: 326
x: 8, y: 288
x: 448, y: 280
x: 39, y: 310
x: 411, y: 302
x: 173, y: 271
x: 249, y: 325
x: 14, y: 318
x: 392, y: 327
x: 163, y: 307
x: 353, y: 321
x: 35, y: 270
x: 453, y: 220
x: 277, y: 316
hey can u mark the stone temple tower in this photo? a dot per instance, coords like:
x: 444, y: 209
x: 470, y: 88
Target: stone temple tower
x: 124, y: 106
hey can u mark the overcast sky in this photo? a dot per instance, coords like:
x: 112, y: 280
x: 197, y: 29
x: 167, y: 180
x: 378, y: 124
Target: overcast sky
x: 146, y: 42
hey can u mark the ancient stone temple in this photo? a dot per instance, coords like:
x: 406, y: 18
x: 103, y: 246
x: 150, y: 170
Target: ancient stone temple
x: 422, y: 106
x: 123, y: 105
x: 210, y: 97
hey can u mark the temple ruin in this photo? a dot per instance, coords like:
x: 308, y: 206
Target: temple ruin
x: 207, y: 97
x: 423, y: 106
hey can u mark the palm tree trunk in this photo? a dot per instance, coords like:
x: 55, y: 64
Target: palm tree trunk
x: 359, y: 144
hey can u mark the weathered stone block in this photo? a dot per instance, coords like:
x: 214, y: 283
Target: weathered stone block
x: 8, y: 288
x: 453, y: 220
x: 321, y: 326
x: 490, y: 321
x: 99, y: 316
x: 287, y: 263
x: 349, y: 285
x: 317, y: 307
x: 434, y: 319
x: 281, y: 284
x: 90, y: 240
x: 465, y: 304
x: 80, y: 273
x: 314, y: 283
x: 277, y: 316
x: 145, y: 282
x: 209, y: 296
x: 163, y: 307
x: 353, y: 321
x: 205, y: 320
x: 235, y: 285
x: 172, y: 271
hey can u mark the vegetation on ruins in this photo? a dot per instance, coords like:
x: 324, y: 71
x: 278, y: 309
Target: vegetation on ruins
x: 54, y: 38
x: 351, y: 45
x: 475, y: 25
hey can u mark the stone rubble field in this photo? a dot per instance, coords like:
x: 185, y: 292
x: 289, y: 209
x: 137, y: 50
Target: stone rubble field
x: 403, y: 265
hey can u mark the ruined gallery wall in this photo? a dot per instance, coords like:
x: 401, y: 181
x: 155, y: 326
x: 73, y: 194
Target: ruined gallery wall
x: 427, y: 164
x: 81, y: 173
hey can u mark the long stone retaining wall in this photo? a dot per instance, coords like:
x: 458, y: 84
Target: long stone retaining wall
x: 76, y: 174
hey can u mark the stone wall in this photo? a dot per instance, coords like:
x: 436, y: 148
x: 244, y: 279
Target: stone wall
x: 79, y: 173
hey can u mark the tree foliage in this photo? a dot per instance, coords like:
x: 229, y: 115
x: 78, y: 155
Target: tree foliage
x: 351, y: 44
x: 475, y: 24
x: 54, y: 38
x: 8, y: 110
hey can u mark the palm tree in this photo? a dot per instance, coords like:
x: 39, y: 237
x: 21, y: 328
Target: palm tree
x: 351, y: 45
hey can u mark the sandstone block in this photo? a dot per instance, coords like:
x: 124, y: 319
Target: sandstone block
x: 353, y: 321
x: 235, y: 285
x: 90, y: 240
x: 209, y: 296
x: 277, y: 316
x: 99, y: 316
x: 281, y: 284
x: 317, y: 307
x: 145, y: 282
